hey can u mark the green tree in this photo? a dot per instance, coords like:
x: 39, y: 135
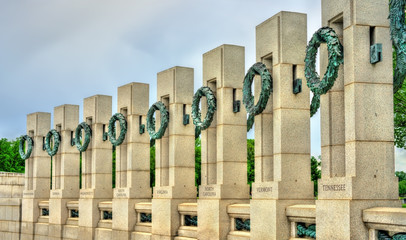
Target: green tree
x: 80, y: 170
x: 198, y: 162
x: 399, y: 109
x: 113, y: 167
x: 250, y: 161
x: 152, y: 166
x: 402, y: 183
x: 399, y: 106
x: 402, y: 188
x: 315, y: 173
x: 401, y: 175
x: 10, y: 160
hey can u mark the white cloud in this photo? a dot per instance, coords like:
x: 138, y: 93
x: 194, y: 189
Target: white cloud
x: 57, y: 52
x: 400, y: 156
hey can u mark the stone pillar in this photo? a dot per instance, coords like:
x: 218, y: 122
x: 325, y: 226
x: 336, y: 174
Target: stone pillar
x: 175, y: 154
x: 332, y: 115
x: 38, y: 169
x: 282, y: 176
x: 224, y: 143
x: 132, y: 159
x: 96, y: 165
x: 366, y: 178
x: 65, y: 183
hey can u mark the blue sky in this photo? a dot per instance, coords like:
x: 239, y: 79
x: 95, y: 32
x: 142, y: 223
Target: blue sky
x: 59, y: 52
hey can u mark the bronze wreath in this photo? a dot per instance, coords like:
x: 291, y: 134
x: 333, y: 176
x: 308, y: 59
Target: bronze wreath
x: 29, y: 141
x: 266, y: 89
x: 335, y: 58
x: 211, y: 107
x: 78, y: 136
x: 151, y: 120
x: 112, y: 129
x: 56, y: 136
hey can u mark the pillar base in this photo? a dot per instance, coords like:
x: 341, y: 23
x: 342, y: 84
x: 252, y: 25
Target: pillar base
x: 342, y: 219
x: 30, y: 213
x: 55, y: 231
x: 213, y: 219
x: 166, y: 218
x: 125, y: 217
x: 86, y: 233
x: 268, y: 218
x: 89, y: 217
x: 27, y: 230
x: 58, y: 216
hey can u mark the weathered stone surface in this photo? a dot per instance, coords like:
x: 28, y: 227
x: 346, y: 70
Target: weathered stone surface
x: 357, y: 151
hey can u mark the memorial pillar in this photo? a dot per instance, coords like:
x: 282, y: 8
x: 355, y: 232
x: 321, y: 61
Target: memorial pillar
x: 368, y: 178
x: 96, y: 165
x: 175, y: 153
x: 132, y: 159
x: 332, y: 115
x: 224, y: 143
x: 65, y: 183
x: 37, y: 174
x: 282, y: 131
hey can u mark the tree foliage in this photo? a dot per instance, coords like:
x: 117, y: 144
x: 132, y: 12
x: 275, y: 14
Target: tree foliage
x: 399, y: 104
x: 152, y: 166
x: 402, y: 188
x: 250, y: 161
x: 113, y: 168
x: 402, y: 183
x: 401, y: 175
x: 399, y: 109
x: 315, y: 173
x: 10, y: 160
x: 198, y: 162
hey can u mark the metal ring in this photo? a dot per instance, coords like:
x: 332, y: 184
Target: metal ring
x: 29, y: 147
x: 151, y: 120
x: 78, y: 136
x: 266, y: 89
x: 335, y: 56
x: 112, y: 129
x: 211, y: 107
x: 54, y: 150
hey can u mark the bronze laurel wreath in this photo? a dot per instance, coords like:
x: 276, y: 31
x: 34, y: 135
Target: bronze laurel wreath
x: 211, y: 107
x: 112, y: 129
x: 53, y: 133
x: 78, y: 136
x: 335, y: 58
x: 266, y: 89
x: 29, y: 141
x: 151, y: 120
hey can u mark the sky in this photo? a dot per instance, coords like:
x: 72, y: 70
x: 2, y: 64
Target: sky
x: 60, y: 52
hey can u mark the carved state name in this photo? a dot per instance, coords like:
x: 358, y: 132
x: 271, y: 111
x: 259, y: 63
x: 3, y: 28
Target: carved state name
x: 121, y: 193
x: 86, y: 193
x: 336, y: 187
x: 264, y: 189
x: 209, y: 192
x: 162, y: 191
